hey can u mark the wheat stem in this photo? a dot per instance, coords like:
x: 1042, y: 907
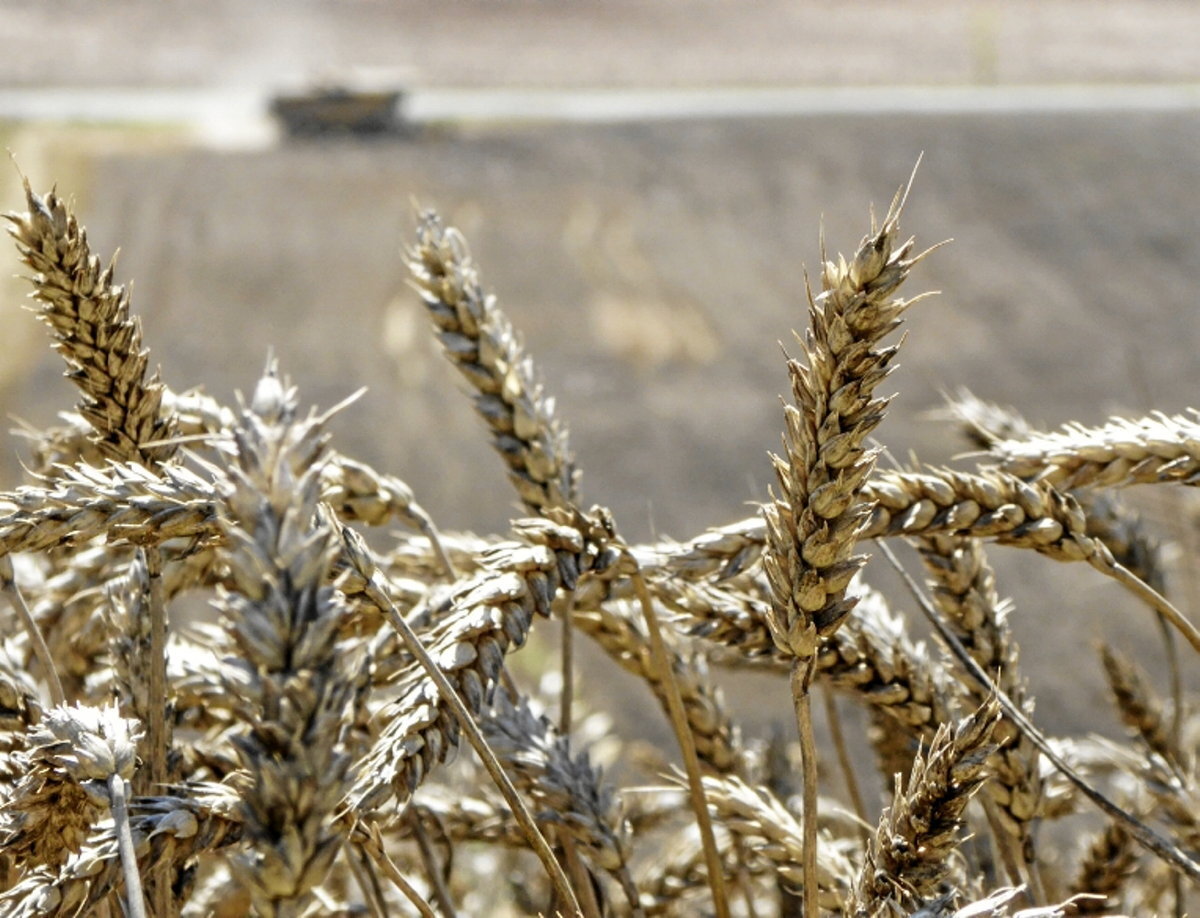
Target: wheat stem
x: 8, y: 585
x: 364, y: 876
x: 369, y: 840
x: 134, y: 900
x: 433, y: 867
x: 567, y: 650
x: 802, y: 673
x: 691, y: 764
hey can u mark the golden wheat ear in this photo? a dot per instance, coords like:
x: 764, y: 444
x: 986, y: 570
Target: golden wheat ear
x: 479, y: 340
x: 283, y: 618
x: 88, y: 315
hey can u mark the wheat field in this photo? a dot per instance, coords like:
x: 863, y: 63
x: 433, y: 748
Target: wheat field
x: 301, y: 755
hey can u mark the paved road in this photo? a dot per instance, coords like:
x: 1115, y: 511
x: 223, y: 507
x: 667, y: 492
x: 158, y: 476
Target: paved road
x: 240, y: 117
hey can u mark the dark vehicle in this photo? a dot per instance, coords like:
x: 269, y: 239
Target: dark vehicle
x: 338, y: 110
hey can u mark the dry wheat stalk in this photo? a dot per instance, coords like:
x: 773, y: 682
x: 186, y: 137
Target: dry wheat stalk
x: 479, y: 340
x: 89, y: 317
x: 909, y: 856
x: 139, y: 664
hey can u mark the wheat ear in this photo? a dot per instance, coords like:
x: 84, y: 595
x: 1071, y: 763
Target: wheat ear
x: 89, y: 317
x: 909, y: 856
x: 283, y: 617
x: 993, y: 505
x: 479, y: 340
x: 566, y: 789
x: 463, y: 706
x: 165, y: 830
x: 963, y: 587
x: 1139, y: 707
x: 1164, y: 848
x: 62, y: 793
x: 487, y: 615
x: 812, y: 527
x: 1124, y: 451
x: 1108, y: 863
x: 123, y: 502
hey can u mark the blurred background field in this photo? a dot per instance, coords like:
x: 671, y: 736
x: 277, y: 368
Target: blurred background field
x: 653, y: 264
